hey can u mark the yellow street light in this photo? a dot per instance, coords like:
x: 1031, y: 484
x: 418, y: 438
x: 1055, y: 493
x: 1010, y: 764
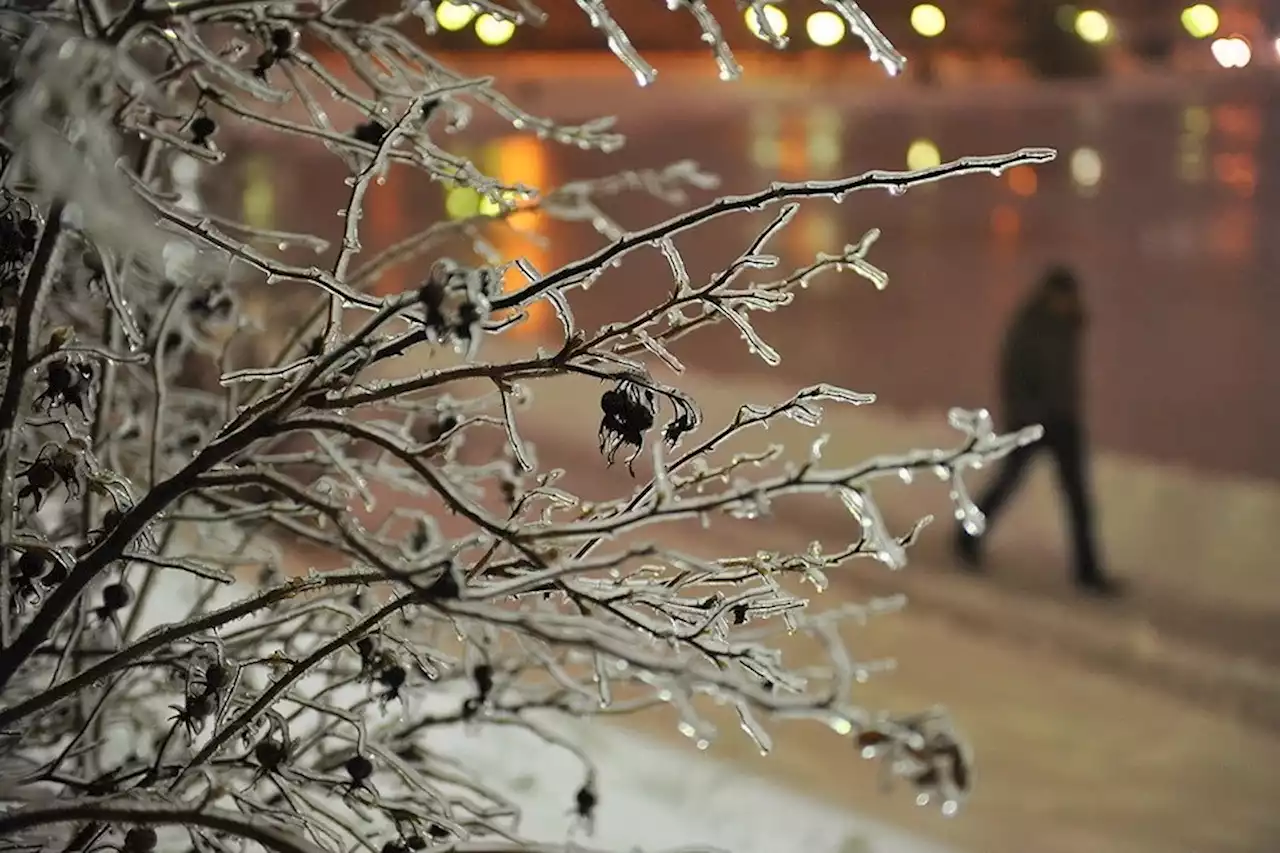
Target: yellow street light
x: 776, y: 17
x: 825, y: 29
x: 493, y: 30
x: 1200, y: 20
x: 928, y: 20
x: 1093, y: 26
x: 454, y: 16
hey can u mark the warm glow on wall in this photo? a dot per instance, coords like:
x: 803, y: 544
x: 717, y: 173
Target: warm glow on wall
x: 521, y: 160
x: 384, y: 209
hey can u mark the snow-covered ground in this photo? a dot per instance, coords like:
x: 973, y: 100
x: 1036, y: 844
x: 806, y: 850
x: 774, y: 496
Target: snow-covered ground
x: 653, y: 796
x: 657, y: 796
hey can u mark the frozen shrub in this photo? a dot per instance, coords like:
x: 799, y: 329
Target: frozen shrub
x: 166, y: 681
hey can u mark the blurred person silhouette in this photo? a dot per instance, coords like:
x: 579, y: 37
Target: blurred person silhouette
x: 1040, y: 366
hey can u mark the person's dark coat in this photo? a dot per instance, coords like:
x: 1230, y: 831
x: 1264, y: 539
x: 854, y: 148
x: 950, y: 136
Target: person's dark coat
x: 1040, y: 359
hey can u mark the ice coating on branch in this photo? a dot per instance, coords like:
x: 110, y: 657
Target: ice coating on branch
x: 878, y: 47
x: 64, y: 136
x: 879, y: 541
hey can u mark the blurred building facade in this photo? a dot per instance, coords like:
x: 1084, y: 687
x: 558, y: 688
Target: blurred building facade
x: 945, y: 38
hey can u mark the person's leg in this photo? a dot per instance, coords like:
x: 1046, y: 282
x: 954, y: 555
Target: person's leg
x: 997, y: 494
x: 1066, y: 443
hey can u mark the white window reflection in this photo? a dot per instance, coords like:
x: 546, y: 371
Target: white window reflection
x: 766, y: 139
x: 1086, y: 168
x: 1191, y: 147
x: 823, y: 139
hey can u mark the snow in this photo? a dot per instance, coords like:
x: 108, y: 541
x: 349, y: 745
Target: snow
x: 652, y: 795
x: 657, y: 797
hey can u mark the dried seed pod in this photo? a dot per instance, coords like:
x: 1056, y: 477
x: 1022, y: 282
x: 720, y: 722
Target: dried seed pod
x: 140, y: 839
x: 270, y: 755
x: 116, y: 597
x: 358, y: 768
x: 202, y: 128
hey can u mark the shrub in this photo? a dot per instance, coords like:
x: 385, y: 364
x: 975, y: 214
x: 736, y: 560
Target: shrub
x: 163, y: 672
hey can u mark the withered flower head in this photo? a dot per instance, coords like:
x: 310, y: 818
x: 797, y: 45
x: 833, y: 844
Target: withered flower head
x: 67, y: 385
x: 686, y: 421
x: 370, y: 132
x: 456, y: 302
x: 628, y: 414
x: 19, y: 225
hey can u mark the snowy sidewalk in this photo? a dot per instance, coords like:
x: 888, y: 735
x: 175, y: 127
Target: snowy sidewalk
x: 1144, y: 726
x: 1068, y: 760
x: 1198, y: 550
x: 664, y: 797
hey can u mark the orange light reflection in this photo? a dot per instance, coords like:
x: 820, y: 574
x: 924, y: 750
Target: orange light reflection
x: 1023, y: 181
x: 522, y: 160
x: 1006, y: 223
x: 384, y: 205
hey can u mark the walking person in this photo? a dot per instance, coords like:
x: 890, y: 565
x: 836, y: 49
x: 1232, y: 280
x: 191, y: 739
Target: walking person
x: 1040, y: 368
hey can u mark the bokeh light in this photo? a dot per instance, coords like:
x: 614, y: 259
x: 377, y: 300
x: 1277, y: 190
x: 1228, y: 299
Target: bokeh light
x: 493, y: 30
x: 923, y: 154
x: 766, y: 138
x: 1006, y: 222
x: 454, y: 16
x: 1023, y: 181
x: 462, y: 203
x: 824, y: 134
x: 776, y: 17
x: 928, y: 20
x: 493, y: 206
x: 1093, y: 26
x: 1086, y: 167
x: 1196, y: 121
x: 1232, y: 52
x: 1200, y: 20
x: 825, y: 29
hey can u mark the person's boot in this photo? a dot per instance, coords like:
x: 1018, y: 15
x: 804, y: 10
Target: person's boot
x: 1100, y: 585
x: 968, y: 550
